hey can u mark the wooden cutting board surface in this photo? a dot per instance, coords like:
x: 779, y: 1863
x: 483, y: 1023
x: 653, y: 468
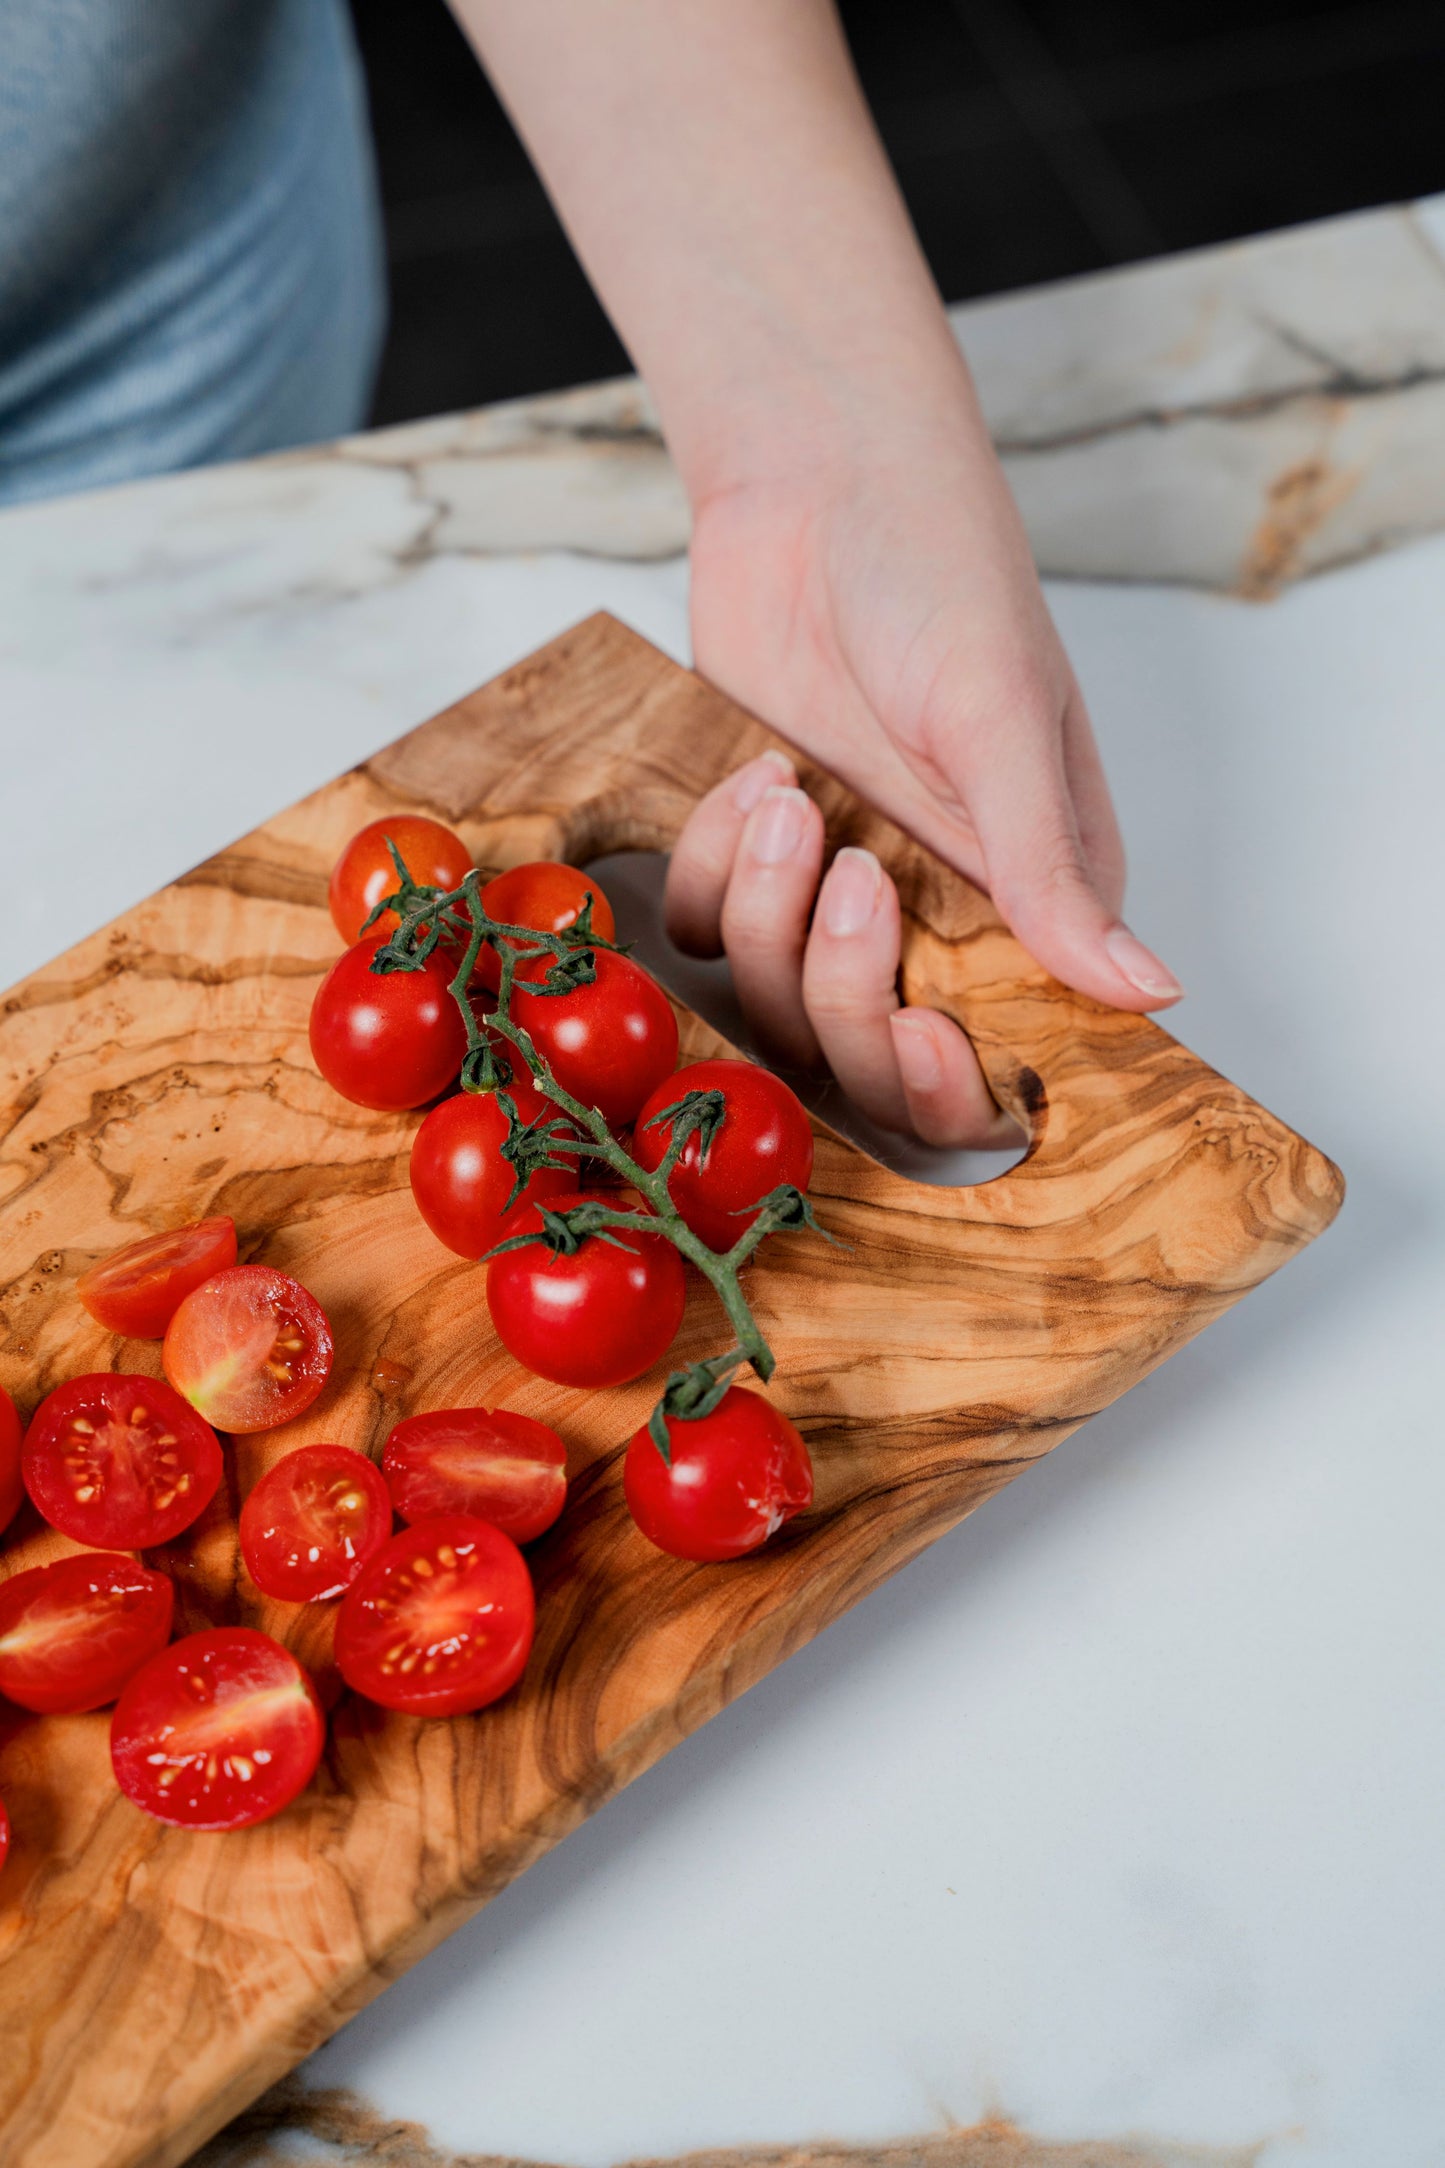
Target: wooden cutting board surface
x: 153, y: 1981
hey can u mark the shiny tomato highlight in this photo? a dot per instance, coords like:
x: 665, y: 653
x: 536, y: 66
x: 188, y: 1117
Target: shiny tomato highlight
x: 546, y: 895
x: 440, y: 1621
x: 312, y: 1522
x: 138, y: 1289
x: 765, y: 1139
x: 220, y: 1730
x: 736, y: 1476
x: 72, y: 1633
x: 388, y: 1039
x: 120, y: 1462
x: 12, y: 1487
x: 599, y: 1317
x: 249, y: 1349
x: 364, y: 873
x: 461, y: 1183
x: 611, y: 1043
x: 499, y: 1467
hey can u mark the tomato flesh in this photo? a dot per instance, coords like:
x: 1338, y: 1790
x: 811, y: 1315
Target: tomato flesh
x: 544, y: 894
x: 736, y: 1476
x: 461, y: 1183
x: 249, y: 1348
x: 388, y: 1040
x: 364, y: 873
x: 220, y: 1730
x: 137, y: 1290
x: 440, y: 1621
x: 312, y: 1522
x: 764, y: 1140
x: 610, y: 1043
x: 12, y: 1487
x: 120, y: 1462
x: 599, y: 1317
x: 4, y: 1833
x: 72, y: 1633
x: 499, y: 1467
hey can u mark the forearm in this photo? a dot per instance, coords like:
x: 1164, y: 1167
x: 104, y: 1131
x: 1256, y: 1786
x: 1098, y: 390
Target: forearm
x: 721, y: 178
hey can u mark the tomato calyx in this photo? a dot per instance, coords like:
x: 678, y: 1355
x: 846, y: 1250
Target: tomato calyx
x: 564, y: 1232
x: 691, y: 1394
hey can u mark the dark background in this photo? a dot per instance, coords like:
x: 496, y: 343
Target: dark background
x: 1033, y: 138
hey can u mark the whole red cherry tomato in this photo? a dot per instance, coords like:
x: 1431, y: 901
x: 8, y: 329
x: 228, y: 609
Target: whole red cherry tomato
x: 120, y: 1462
x: 440, y: 1621
x: 12, y: 1488
x: 249, y: 1349
x: 461, y: 1183
x: 599, y: 1317
x: 364, y: 873
x: 71, y: 1634
x: 611, y: 1043
x: 544, y: 894
x: 765, y: 1139
x: 499, y: 1467
x: 736, y: 1476
x: 312, y: 1522
x: 137, y: 1290
x: 221, y: 1729
x: 388, y: 1040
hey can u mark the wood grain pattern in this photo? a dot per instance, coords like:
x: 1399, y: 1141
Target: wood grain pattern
x: 152, y: 1981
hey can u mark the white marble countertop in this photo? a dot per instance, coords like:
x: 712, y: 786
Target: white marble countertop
x: 1118, y: 1813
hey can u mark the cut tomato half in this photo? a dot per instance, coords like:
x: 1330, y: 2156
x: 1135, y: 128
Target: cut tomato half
x: 220, y: 1730
x: 249, y: 1348
x: 72, y: 1633
x: 120, y: 1462
x: 500, y: 1467
x: 440, y: 1621
x: 312, y: 1522
x: 137, y: 1290
x: 12, y: 1487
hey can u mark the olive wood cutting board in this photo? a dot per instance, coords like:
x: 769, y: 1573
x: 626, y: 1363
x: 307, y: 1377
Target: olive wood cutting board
x: 153, y: 1981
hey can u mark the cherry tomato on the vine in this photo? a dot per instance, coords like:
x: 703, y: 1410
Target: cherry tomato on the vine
x: 461, y: 1183
x: 440, y: 1621
x: 137, y: 1290
x: 312, y: 1522
x: 221, y: 1729
x: 736, y: 1476
x: 499, y: 1467
x: 610, y: 1043
x: 599, y: 1317
x: 249, y: 1348
x: 120, y: 1462
x: 12, y: 1489
x: 764, y: 1140
x: 71, y: 1634
x: 547, y: 895
x: 388, y: 1039
x: 364, y: 873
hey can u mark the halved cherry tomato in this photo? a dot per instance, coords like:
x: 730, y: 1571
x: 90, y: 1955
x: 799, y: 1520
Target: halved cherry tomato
x: 545, y: 894
x: 120, y: 1462
x: 12, y: 1489
x: 461, y: 1183
x: 71, y: 1634
x: 221, y: 1729
x: 387, y: 1039
x: 312, y: 1522
x: 765, y: 1139
x: 440, y: 1621
x: 364, y: 873
x: 137, y: 1290
x: 736, y: 1476
x: 611, y: 1043
x: 599, y: 1317
x: 249, y: 1348
x: 499, y: 1467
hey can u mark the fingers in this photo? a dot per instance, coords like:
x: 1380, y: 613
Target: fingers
x: 948, y: 1101
x: 704, y: 854
x: 764, y: 919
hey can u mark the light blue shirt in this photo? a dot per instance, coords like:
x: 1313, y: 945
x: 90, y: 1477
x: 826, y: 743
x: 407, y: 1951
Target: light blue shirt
x: 190, y: 262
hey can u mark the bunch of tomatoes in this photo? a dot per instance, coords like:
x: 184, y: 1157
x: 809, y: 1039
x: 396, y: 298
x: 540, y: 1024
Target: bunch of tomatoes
x: 224, y: 1727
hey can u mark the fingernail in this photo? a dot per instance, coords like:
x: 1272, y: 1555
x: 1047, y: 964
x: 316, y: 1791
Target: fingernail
x: 851, y: 891
x: 761, y: 774
x: 1140, y: 966
x: 777, y: 828
x: 917, y: 1051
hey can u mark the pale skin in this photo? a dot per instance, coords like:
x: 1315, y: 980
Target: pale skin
x: 860, y: 575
